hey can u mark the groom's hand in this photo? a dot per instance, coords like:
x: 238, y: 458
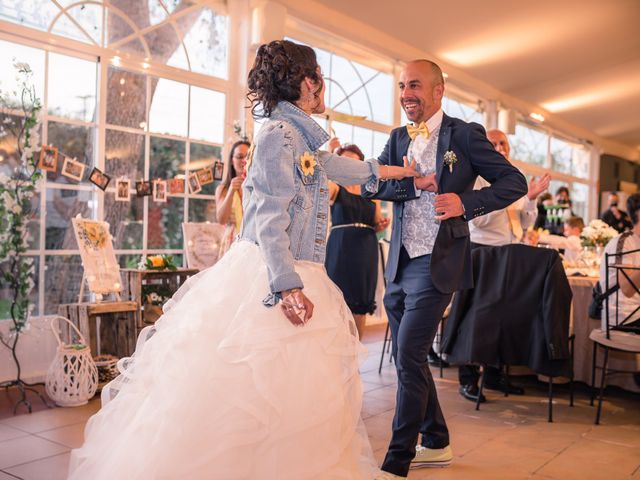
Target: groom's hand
x: 427, y: 183
x: 448, y: 205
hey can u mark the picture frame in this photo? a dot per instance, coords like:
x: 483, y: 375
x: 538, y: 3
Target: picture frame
x: 205, y: 176
x: 123, y: 187
x: 160, y: 191
x: 99, y: 178
x: 73, y: 169
x: 48, y: 158
x: 143, y: 188
x: 218, y: 170
x: 203, y: 243
x: 194, y: 183
x: 175, y: 186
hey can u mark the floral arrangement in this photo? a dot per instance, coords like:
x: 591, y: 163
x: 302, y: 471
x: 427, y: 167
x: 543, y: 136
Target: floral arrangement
x: 597, y: 234
x: 539, y: 230
x: 16, y: 191
x: 158, y: 262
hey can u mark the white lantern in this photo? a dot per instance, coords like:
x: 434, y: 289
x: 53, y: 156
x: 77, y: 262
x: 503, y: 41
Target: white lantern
x: 72, y: 378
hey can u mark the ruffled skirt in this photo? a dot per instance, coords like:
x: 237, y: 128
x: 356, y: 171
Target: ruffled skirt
x: 222, y: 387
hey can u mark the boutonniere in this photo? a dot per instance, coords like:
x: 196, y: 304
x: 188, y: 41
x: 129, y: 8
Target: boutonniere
x: 307, y: 164
x: 449, y: 159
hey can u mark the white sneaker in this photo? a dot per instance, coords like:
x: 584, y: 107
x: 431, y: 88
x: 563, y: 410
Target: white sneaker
x: 387, y: 476
x: 432, y: 457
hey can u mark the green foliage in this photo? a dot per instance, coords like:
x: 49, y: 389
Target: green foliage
x: 16, y: 191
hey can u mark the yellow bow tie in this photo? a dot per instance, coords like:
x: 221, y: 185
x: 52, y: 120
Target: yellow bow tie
x: 421, y: 129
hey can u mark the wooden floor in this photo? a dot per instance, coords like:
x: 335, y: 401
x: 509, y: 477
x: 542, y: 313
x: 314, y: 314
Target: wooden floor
x: 509, y: 438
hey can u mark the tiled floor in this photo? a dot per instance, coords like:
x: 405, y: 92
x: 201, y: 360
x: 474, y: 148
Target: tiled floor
x: 509, y: 438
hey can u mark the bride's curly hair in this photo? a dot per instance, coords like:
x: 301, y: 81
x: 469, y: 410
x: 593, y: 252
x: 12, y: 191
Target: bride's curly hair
x: 278, y: 71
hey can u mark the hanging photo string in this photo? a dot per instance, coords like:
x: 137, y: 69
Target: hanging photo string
x: 159, y: 189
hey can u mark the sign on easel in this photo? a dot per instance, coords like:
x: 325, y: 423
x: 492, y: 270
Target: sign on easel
x: 101, y: 270
x: 203, y: 244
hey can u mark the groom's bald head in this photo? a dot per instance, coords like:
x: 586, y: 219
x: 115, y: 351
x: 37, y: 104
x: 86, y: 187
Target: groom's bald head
x: 430, y: 68
x: 421, y: 88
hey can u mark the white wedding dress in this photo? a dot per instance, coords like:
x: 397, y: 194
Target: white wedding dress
x: 226, y: 388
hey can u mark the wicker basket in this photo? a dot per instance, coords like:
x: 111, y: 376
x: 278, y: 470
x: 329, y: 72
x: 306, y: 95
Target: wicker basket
x: 72, y: 378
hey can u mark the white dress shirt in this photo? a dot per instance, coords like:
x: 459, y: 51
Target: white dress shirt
x: 494, y: 228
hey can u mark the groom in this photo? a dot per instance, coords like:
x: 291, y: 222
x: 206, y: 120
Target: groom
x: 430, y: 256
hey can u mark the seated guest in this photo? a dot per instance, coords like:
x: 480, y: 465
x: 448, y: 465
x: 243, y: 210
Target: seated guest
x: 570, y: 242
x: 501, y: 227
x: 352, y: 248
x: 628, y: 298
x: 614, y: 217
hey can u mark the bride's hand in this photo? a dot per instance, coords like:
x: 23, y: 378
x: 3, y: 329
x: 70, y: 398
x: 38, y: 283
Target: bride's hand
x: 296, y: 306
x: 391, y: 172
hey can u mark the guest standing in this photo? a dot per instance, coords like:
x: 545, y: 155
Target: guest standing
x: 500, y: 227
x: 229, y: 194
x: 352, y: 249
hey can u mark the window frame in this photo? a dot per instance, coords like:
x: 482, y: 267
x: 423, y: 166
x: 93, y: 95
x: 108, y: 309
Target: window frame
x: 104, y: 58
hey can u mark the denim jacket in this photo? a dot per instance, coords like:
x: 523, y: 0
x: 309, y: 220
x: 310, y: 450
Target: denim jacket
x: 286, y: 206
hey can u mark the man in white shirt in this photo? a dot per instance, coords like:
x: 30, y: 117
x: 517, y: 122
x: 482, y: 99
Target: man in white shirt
x: 500, y: 227
x: 506, y: 226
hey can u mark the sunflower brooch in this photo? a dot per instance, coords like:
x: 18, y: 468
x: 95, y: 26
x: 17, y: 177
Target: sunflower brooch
x: 307, y: 164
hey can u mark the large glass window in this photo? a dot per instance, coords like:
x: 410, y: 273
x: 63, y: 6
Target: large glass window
x: 567, y: 161
x: 154, y: 126
x: 529, y: 145
x: 186, y: 35
x: 467, y: 111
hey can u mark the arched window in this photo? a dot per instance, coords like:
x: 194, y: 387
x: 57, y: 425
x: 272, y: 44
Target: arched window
x: 136, y: 88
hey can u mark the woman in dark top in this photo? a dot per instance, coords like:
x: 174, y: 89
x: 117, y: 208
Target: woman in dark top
x: 352, y: 249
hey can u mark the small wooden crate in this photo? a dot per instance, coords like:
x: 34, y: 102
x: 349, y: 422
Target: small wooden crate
x: 135, y: 282
x: 115, y: 334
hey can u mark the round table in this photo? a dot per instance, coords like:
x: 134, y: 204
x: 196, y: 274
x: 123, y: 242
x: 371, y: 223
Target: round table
x: 582, y: 326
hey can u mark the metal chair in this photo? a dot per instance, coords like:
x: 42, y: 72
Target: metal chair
x: 620, y: 334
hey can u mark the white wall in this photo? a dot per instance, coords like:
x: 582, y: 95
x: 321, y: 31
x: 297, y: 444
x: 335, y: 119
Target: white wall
x: 36, y: 350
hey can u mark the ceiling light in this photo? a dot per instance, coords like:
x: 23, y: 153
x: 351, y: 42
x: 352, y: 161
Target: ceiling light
x: 145, y: 65
x: 115, y: 61
x: 536, y: 116
x: 122, y: 80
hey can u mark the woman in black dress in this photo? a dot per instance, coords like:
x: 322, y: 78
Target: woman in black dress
x: 352, y: 249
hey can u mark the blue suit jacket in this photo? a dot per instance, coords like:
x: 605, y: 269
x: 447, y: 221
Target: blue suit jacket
x: 451, y: 256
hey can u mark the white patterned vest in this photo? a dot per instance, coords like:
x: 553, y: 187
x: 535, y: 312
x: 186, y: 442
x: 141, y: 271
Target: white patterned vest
x: 419, y: 227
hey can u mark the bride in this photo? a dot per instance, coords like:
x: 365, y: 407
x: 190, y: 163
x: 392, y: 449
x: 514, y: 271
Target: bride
x: 261, y: 384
